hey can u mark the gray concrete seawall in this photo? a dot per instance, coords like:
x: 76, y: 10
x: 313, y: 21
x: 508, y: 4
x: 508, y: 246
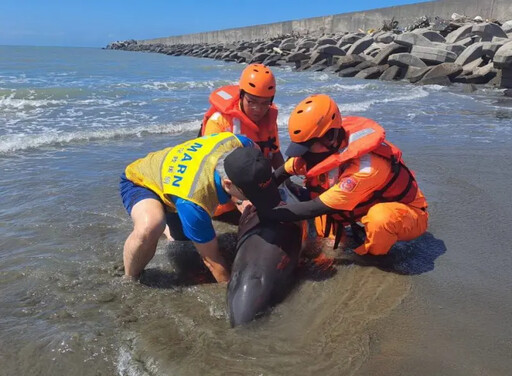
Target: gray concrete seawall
x: 348, y: 22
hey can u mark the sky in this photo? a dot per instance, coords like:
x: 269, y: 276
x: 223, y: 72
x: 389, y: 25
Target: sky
x: 96, y: 23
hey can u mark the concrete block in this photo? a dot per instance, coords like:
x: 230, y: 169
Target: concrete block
x: 433, y: 55
x: 372, y: 72
x: 405, y: 60
x: 360, y: 45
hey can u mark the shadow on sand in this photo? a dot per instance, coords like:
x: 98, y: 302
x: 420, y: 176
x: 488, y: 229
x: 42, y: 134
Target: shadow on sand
x: 186, y: 268
x: 185, y: 265
x: 408, y: 258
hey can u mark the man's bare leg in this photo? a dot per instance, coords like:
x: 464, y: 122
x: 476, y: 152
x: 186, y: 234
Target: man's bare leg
x: 148, y: 218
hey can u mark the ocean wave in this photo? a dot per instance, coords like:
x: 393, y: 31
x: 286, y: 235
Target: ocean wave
x: 10, y: 102
x: 366, y: 105
x: 173, y: 85
x: 335, y: 88
x: 15, y: 142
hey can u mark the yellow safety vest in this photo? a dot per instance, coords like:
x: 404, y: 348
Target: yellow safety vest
x: 186, y: 170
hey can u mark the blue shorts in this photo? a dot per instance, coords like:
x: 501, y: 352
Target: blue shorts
x: 132, y: 193
x: 198, y: 225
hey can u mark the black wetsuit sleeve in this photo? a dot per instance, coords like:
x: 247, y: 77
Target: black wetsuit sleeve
x: 280, y: 175
x: 296, y: 211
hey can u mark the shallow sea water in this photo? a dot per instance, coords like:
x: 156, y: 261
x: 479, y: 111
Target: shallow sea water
x: 72, y: 119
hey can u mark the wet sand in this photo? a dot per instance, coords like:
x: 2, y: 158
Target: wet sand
x: 458, y: 318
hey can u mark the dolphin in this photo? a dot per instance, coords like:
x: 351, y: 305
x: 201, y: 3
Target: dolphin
x: 264, y: 263
x: 263, y: 271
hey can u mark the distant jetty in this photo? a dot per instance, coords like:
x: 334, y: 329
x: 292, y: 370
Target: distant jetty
x: 464, y: 49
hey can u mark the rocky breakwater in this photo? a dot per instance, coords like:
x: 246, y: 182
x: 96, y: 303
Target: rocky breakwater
x: 435, y: 51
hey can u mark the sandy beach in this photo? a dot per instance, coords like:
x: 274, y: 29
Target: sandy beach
x: 439, y: 305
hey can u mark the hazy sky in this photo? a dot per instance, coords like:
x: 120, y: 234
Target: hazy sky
x: 95, y: 23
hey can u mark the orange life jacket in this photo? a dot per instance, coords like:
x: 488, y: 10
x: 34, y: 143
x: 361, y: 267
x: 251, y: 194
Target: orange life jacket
x: 226, y: 101
x: 364, y: 136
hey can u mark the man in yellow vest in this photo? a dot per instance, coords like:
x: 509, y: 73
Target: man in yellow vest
x: 181, y: 186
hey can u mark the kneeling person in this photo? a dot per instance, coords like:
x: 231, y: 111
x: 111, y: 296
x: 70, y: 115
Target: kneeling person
x: 180, y: 186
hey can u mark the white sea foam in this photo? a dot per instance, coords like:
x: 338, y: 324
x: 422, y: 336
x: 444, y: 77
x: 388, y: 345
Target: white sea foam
x: 15, y: 142
x: 11, y: 103
x: 365, y: 105
x: 335, y: 88
x: 172, y: 85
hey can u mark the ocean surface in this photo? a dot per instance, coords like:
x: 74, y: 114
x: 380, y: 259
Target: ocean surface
x: 71, y: 119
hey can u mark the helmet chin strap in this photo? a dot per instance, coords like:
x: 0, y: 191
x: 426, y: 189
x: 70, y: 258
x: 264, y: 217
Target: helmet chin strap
x: 339, y: 136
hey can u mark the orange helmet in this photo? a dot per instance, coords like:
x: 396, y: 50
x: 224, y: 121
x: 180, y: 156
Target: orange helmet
x: 311, y: 119
x: 258, y: 80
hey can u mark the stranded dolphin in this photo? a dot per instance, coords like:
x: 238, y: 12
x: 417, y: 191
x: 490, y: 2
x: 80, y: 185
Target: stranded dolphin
x: 263, y: 270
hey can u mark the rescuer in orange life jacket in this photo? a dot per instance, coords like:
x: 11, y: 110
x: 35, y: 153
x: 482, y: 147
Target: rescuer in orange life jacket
x: 248, y: 109
x: 353, y: 175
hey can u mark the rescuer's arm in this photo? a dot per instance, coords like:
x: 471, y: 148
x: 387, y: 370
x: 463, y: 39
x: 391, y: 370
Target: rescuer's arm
x: 213, y: 259
x: 295, y: 211
x: 277, y: 160
x: 216, y: 124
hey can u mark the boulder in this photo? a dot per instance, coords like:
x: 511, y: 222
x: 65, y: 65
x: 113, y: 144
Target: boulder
x: 390, y: 49
x: 373, y: 50
x: 507, y: 27
x: 297, y: 56
x: 306, y: 44
x: 365, y: 64
x: 348, y: 61
x: 385, y: 37
x: 441, y: 80
x: 457, y: 49
x: 360, y: 45
x: 503, y: 56
x: 317, y: 57
x: 430, y: 35
x: 272, y: 60
x: 330, y: 49
x: 392, y: 73
x: 350, y: 38
x: 438, y: 74
x: 415, y: 74
x: 471, y: 53
x: 503, y: 79
x: 348, y: 72
x: 433, y: 55
x: 287, y: 46
x: 324, y: 41
x: 372, y: 72
x: 320, y: 66
x: 471, y: 67
x: 443, y: 26
x: 459, y: 34
x: 490, y: 48
x: 247, y: 56
x: 413, y: 39
x: 406, y: 60
x: 259, y: 58
x: 476, y: 78
x: 488, y: 30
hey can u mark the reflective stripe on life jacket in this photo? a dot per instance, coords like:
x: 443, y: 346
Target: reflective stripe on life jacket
x: 364, y: 136
x: 186, y: 170
x: 226, y: 100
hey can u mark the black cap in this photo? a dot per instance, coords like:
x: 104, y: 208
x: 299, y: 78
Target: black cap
x: 250, y: 171
x: 296, y: 150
